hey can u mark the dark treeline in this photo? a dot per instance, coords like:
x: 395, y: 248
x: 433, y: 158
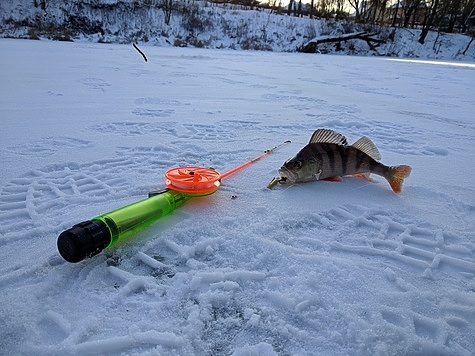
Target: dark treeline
x: 440, y: 15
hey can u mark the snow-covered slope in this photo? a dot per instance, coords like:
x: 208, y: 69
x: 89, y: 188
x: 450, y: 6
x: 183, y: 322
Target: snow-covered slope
x: 312, y: 269
x: 202, y: 24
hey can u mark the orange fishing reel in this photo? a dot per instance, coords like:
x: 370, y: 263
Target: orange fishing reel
x: 191, y: 180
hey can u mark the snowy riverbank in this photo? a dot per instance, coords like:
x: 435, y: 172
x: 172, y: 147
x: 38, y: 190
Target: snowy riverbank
x: 215, y: 26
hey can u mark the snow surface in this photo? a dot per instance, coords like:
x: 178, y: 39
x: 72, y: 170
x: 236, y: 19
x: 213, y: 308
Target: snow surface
x: 311, y: 269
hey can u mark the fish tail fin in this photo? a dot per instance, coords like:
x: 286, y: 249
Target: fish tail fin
x: 396, y: 176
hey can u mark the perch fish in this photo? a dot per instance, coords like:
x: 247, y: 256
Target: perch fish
x: 328, y: 156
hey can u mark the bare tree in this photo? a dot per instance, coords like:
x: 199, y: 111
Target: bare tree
x: 467, y: 12
x: 355, y: 4
x: 167, y: 7
x: 456, y: 14
x: 429, y: 20
x: 339, y: 6
x: 289, y: 9
x: 411, y: 11
x: 396, y: 12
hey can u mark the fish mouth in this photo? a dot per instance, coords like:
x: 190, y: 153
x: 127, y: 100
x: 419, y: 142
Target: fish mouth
x: 287, y: 176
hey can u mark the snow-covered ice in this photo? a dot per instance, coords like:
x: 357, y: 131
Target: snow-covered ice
x: 311, y: 269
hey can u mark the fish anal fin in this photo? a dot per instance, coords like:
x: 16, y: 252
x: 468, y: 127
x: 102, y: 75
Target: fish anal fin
x: 364, y: 176
x: 337, y: 179
x: 365, y: 145
x: 328, y: 136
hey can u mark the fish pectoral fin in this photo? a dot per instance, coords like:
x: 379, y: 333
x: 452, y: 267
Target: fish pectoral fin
x: 334, y: 179
x: 364, y: 176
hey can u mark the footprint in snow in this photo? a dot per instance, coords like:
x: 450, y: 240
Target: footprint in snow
x: 49, y: 146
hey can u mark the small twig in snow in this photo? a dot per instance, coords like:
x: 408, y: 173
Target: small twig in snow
x: 138, y: 50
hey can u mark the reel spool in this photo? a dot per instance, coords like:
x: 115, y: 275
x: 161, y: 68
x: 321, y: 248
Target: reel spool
x: 197, y: 181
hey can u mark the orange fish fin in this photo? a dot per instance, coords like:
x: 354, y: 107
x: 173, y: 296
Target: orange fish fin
x: 396, y: 176
x: 334, y: 179
x: 364, y: 176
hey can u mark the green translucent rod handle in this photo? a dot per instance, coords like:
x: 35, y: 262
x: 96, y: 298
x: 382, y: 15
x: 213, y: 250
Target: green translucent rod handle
x: 89, y: 238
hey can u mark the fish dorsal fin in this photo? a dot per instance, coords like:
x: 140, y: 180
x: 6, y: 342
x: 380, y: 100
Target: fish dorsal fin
x: 365, y: 145
x: 328, y: 136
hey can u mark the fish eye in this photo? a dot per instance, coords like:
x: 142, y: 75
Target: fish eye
x: 298, y: 164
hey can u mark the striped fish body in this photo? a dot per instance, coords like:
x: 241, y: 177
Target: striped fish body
x: 328, y: 156
x: 329, y: 160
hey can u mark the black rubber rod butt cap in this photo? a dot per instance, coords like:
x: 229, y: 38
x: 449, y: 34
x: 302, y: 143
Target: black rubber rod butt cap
x: 83, y: 240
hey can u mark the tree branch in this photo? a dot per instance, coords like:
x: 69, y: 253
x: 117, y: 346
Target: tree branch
x: 311, y: 46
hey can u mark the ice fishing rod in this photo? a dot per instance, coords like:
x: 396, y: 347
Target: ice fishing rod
x: 90, y: 237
